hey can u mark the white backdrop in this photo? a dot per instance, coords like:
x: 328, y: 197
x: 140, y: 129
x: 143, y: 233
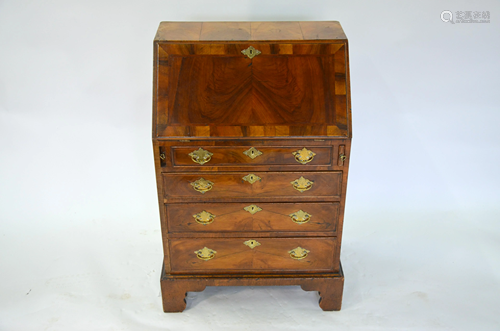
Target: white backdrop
x: 80, y: 244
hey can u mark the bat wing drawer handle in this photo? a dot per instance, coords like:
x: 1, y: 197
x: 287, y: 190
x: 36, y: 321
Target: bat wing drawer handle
x: 302, y: 184
x: 205, y: 254
x: 298, y: 253
x: 300, y: 217
x: 304, y: 155
x: 201, y: 156
x: 202, y: 185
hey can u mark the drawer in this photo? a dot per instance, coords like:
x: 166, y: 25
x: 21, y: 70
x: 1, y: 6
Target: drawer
x: 252, y: 185
x: 222, y: 156
x: 258, y: 217
x: 255, y: 255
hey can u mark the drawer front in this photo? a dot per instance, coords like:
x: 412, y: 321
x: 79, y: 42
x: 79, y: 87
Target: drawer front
x: 221, y: 156
x: 256, y: 255
x: 253, y: 185
x: 258, y: 217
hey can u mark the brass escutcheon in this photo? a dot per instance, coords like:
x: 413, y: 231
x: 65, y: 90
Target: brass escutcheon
x: 251, y: 52
x: 304, y: 155
x: 201, y: 156
x: 252, y: 209
x: 205, y: 254
x: 202, y: 185
x: 251, y: 178
x: 343, y: 157
x: 252, y: 243
x: 302, y: 184
x: 204, y: 217
x: 298, y: 253
x: 300, y: 217
x: 252, y: 153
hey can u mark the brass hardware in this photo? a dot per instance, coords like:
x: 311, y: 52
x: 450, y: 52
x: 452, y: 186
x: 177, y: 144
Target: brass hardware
x: 201, y: 156
x: 162, y: 156
x: 302, y: 184
x: 252, y: 153
x: 202, y: 185
x: 251, y: 52
x: 298, y: 253
x: 252, y: 243
x: 204, y: 217
x: 205, y: 254
x: 342, y: 156
x: 300, y: 217
x: 251, y: 178
x: 252, y: 209
x: 304, y: 155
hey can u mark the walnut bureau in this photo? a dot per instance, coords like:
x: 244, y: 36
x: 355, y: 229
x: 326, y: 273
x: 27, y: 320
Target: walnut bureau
x: 251, y: 138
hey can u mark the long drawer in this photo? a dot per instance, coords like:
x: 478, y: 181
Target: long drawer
x: 221, y: 156
x: 252, y: 185
x: 255, y: 255
x: 247, y: 217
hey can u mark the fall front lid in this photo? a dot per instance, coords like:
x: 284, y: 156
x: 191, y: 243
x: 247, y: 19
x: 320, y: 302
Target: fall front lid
x: 251, y: 88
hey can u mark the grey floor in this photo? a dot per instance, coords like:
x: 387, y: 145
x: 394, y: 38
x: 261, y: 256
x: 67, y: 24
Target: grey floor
x: 419, y: 271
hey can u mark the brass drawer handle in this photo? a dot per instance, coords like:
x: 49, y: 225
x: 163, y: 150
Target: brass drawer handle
x: 252, y: 209
x: 252, y: 153
x: 204, y: 217
x: 300, y: 217
x: 202, y: 185
x: 304, y: 155
x: 251, y: 178
x: 252, y: 243
x: 162, y: 156
x: 201, y: 156
x: 302, y: 184
x: 251, y: 52
x: 298, y: 253
x: 205, y: 254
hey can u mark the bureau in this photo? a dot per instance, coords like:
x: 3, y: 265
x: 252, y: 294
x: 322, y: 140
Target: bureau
x: 251, y: 139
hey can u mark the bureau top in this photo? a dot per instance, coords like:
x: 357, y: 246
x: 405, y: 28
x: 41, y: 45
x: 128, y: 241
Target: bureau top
x: 249, y: 31
x: 251, y: 80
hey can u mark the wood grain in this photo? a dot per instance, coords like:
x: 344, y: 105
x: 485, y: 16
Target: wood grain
x: 232, y: 185
x: 175, y: 287
x: 270, y: 257
x: 294, y: 94
x: 233, y: 156
x: 213, y: 90
x: 233, y: 218
x: 246, y: 31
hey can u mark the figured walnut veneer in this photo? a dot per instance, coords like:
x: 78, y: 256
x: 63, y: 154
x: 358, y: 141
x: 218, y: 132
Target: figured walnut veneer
x: 251, y: 155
